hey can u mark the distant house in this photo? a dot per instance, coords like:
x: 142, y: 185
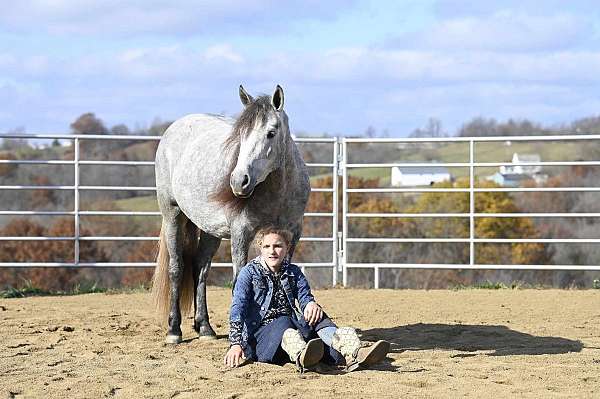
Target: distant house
x: 515, y: 175
x: 522, y: 169
x: 419, y: 176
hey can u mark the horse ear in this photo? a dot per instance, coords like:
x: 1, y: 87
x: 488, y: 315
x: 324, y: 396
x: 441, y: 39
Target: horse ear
x: 277, y: 99
x: 245, y: 97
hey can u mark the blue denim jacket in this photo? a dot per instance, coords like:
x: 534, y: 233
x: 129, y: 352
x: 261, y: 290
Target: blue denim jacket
x: 252, y: 295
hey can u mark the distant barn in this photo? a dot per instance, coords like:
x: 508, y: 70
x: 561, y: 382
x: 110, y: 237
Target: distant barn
x: 419, y: 176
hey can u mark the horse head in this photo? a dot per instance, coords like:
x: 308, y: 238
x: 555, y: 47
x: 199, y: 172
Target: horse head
x: 263, y: 131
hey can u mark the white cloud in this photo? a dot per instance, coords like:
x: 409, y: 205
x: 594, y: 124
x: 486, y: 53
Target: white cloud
x: 222, y: 52
x: 36, y: 65
x: 14, y: 95
x: 133, y: 17
x: 351, y: 66
x: 461, y: 8
x: 7, y: 61
x: 488, y: 96
x: 408, y: 67
x: 397, y: 89
x: 503, y: 31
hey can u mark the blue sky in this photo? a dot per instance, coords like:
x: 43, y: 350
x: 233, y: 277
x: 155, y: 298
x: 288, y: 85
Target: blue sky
x: 344, y: 65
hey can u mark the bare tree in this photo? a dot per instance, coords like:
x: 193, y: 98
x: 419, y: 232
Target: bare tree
x: 433, y: 128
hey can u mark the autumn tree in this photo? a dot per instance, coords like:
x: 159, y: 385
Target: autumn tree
x: 42, y: 199
x: 88, y: 123
x: 491, y: 227
x: 7, y: 169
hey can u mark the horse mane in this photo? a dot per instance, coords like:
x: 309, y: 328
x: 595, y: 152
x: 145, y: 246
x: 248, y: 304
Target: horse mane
x: 257, y: 110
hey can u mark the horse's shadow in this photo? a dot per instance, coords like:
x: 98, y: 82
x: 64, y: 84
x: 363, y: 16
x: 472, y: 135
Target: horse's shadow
x: 196, y: 338
x: 470, y: 338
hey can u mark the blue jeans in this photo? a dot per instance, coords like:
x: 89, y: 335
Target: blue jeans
x: 268, y: 340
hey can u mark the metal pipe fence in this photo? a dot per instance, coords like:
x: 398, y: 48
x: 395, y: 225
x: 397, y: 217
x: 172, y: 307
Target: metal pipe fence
x: 77, y: 188
x: 472, y: 215
x: 340, y: 167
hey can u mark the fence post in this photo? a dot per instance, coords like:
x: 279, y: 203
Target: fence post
x: 334, y: 207
x: 344, y: 212
x: 76, y: 200
x: 471, y: 202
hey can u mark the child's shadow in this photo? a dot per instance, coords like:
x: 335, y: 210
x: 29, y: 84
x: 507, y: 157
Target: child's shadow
x: 470, y: 338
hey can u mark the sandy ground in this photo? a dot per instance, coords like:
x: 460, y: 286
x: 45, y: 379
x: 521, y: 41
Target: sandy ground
x: 523, y: 343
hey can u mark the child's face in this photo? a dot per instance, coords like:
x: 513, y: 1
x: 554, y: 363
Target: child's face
x: 273, y: 250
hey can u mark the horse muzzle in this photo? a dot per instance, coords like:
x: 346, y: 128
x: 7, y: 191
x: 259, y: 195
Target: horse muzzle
x: 242, y: 186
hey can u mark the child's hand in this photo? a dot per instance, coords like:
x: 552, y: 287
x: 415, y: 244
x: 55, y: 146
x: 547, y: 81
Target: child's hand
x: 234, y: 356
x: 313, y: 313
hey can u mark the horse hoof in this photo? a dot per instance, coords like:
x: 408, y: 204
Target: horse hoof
x: 206, y: 333
x: 173, y: 339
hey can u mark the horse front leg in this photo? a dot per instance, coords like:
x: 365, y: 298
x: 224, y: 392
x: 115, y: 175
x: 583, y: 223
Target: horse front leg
x: 207, y: 249
x: 297, y: 233
x: 174, y: 225
x: 240, y: 243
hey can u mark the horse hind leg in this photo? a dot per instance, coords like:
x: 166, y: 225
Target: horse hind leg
x: 207, y: 248
x: 174, y: 224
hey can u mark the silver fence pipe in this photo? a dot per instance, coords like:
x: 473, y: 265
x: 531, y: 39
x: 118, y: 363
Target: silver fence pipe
x: 468, y: 164
x: 471, y: 203
x: 76, y: 200
x: 468, y: 190
x: 344, y: 213
x: 461, y: 266
x: 478, y: 139
x: 477, y: 215
x: 334, y: 207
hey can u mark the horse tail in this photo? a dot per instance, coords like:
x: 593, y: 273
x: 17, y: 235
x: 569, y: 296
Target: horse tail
x: 190, y: 253
x: 161, y: 292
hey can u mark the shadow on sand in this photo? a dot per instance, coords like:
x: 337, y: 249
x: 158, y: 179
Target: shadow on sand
x: 470, y: 338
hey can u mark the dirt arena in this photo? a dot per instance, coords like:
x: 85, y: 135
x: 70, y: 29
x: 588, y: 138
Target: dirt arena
x: 505, y: 343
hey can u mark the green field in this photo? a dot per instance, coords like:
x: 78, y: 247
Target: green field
x: 146, y: 204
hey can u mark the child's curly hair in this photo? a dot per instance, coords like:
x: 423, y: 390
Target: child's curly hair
x: 272, y: 229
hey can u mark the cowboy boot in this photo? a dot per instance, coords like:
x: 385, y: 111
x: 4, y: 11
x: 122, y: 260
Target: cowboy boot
x: 357, y: 354
x: 303, y: 354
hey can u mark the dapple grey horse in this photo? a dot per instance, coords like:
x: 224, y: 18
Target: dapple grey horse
x: 218, y: 178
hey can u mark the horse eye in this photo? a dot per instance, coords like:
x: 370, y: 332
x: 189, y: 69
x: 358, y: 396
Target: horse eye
x: 271, y: 134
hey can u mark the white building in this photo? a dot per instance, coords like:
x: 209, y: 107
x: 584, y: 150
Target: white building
x: 516, y: 175
x: 522, y: 169
x: 419, y: 176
